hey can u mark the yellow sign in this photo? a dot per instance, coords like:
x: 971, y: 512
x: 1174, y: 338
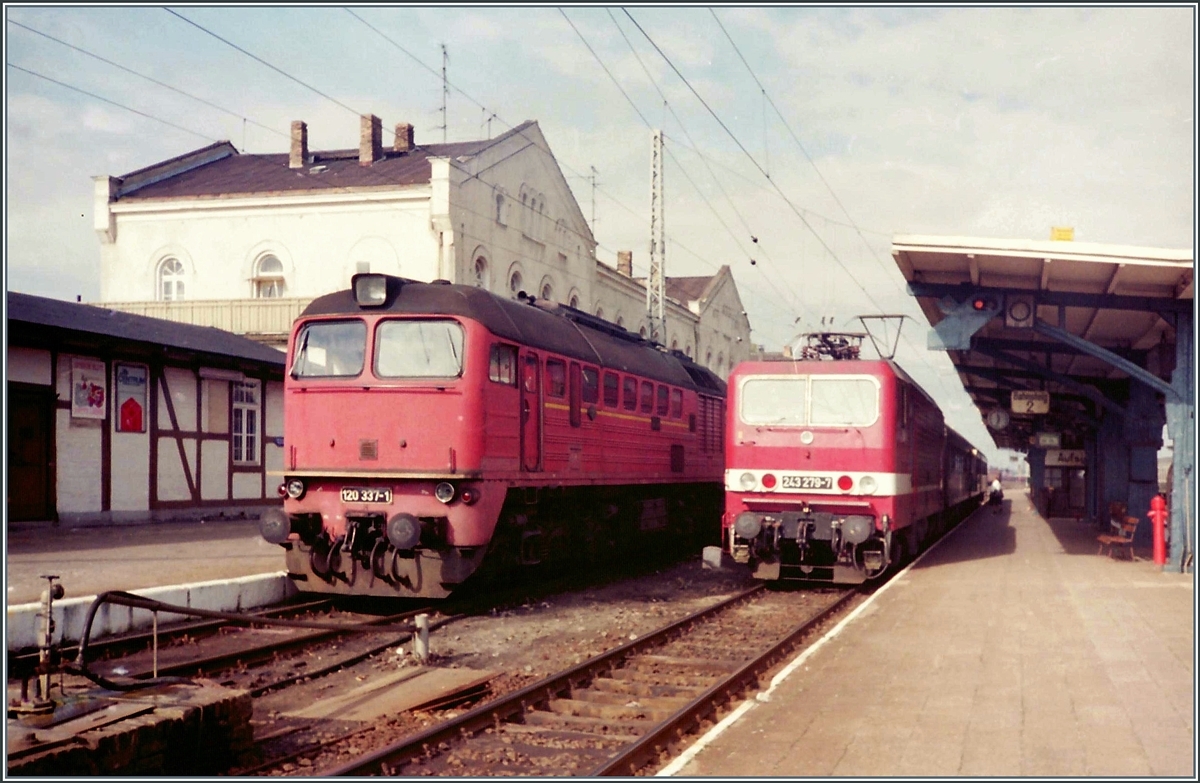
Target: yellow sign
x: 1035, y: 402
x: 1059, y: 234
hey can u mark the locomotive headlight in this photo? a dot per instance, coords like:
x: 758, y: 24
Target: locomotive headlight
x: 444, y: 492
x: 867, y: 485
x: 295, y: 489
x: 747, y: 481
x: 370, y: 290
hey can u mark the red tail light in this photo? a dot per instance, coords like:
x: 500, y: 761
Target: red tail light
x: 845, y: 483
x: 768, y: 481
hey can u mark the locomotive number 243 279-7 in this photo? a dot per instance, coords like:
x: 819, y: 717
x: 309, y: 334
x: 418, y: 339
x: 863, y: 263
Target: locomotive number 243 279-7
x: 807, y: 482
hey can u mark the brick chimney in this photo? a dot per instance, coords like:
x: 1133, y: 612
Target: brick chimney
x: 625, y: 262
x: 404, y: 138
x: 299, y: 155
x: 370, y: 140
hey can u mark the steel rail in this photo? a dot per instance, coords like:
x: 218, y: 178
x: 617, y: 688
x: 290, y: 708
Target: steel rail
x: 647, y: 747
x: 495, y: 712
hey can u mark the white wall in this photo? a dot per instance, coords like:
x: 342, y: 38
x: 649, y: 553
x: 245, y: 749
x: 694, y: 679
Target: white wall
x: 318, y: 239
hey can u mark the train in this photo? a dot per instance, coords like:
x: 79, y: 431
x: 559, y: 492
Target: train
x: 839, y: 467
x: 434, y: 432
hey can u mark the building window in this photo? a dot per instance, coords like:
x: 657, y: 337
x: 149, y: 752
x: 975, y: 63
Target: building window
x: 170, y: 280
x: 481, y: 272
x: 501, y: 212
x: 268, y: 278
x: 245, y: 422
x: 600, y: 312
x: 547, y: 292
x: 574, y: 301
x: 621, y: 321
x: 514, y: 282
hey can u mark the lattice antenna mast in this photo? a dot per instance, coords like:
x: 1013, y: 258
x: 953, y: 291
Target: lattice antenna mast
x: 446, y: 93
x: 656, y: 282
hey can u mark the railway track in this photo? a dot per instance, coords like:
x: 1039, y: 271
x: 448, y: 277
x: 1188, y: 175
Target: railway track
x: 617, y: 712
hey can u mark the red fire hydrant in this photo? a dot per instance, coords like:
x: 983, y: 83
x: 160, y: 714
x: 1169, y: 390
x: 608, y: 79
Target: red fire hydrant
x: 1158, y: 519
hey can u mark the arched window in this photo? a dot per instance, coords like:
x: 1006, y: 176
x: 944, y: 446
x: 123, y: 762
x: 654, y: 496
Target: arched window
x: 547, y: 292
x: 621, y: 321
x: 574, y: 301
x: 720, y: 363
x: 688, y: 351
x: 599, y: 312
x: 674, y: 344
x: 268, y: 278
x: 708, y: 359
x: 514, y: 282
x: 170, y: 280
x: 642, y: 331
x: 481, y: 280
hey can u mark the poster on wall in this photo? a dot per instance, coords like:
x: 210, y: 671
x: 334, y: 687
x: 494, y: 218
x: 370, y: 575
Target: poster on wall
x: 131, y: 397
x: 87, y: 389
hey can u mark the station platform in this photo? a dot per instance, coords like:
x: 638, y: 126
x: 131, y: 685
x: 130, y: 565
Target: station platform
x: 217, y: 564
x: 1009, y: 649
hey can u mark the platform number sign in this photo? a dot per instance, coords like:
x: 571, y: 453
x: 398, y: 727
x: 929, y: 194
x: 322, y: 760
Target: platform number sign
x: 1031, y: 402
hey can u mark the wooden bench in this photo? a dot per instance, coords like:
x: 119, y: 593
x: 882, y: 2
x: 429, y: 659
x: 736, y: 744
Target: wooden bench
x: 1121, y: 541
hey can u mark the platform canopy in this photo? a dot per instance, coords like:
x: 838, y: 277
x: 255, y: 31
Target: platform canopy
x: 1046, y: 316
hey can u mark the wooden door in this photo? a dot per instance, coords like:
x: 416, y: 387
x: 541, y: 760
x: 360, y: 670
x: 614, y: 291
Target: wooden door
x: 30, y: 467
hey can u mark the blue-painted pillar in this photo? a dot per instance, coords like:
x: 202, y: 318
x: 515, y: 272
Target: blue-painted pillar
x: 1091, y: 486
x: 1112, y: 458
x: 1037, y: 478
x: 1181, y: 425
x: 1143, y: 435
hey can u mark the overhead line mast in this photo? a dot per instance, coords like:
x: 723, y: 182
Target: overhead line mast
x: 656, y: 282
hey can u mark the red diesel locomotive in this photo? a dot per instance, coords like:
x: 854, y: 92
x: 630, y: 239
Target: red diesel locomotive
x: 431, y: 429
x: 836, y: 469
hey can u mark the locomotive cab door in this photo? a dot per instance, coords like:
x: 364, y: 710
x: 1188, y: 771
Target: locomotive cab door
x: 531, y: 412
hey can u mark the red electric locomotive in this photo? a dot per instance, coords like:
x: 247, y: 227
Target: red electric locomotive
x: 836, y: 469
x: 431, y: 429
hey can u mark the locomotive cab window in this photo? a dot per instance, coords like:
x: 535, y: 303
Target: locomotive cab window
x: 502, y: 367
x: 591, y: 385
x: 663, y: 398
x: 774, y: 400
x: 844, y: 401
x: 630, y: 392
x: 647, y: 397
x: 419, y: 349
x: 556, y: 378
x: 330, y: 349
x: 612, y: 390
x: 676, y: 403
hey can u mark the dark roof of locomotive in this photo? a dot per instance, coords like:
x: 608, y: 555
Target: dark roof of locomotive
x: 550, y: 327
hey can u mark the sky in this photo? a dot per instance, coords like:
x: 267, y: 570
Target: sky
x: 799, y: 140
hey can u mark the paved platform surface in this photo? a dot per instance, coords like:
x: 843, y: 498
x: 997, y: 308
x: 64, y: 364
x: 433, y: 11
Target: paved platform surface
x: 91, y: 560
x: 1011, y: 649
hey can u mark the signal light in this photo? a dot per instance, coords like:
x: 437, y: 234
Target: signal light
x: 845, y: 483
x: 768, y: 481
x: 980, y: 304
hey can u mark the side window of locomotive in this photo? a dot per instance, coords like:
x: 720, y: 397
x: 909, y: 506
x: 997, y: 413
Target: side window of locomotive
x: 676, y: 403
x: 612, y: 390
x: 663, y: 396
x: 630, y: 391
x: 556, y: 378
x: 419, y: 349
x: 576, y: 379
x: 647, y: 397
x: 330, y: 349
x: 502, y: 368
x: 591, y: 385
x: 531, y: 373
x: 852, y: 402
x: 774, y: 400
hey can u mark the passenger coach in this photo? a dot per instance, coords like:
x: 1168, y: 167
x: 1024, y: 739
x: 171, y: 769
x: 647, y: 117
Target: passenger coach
x: 836, y: 469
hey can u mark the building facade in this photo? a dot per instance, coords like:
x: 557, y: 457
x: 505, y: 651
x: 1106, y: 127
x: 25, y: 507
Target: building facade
x: 116, y: 417
x: 243, y: 242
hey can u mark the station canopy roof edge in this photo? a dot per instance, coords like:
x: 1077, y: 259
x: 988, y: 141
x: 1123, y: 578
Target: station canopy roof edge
x: 1117, y: 297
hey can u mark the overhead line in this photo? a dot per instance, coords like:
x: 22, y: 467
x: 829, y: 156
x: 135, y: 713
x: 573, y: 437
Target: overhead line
x: 106, y: 100
x: 148, y: 78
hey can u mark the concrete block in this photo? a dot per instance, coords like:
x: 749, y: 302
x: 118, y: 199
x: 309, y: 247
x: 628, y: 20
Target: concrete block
x: 714, y: 558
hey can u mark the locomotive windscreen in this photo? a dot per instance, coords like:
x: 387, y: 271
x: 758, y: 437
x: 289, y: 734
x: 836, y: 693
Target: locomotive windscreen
x: 810, y: 401
x: 419, y: 349
x: 330, y: 349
